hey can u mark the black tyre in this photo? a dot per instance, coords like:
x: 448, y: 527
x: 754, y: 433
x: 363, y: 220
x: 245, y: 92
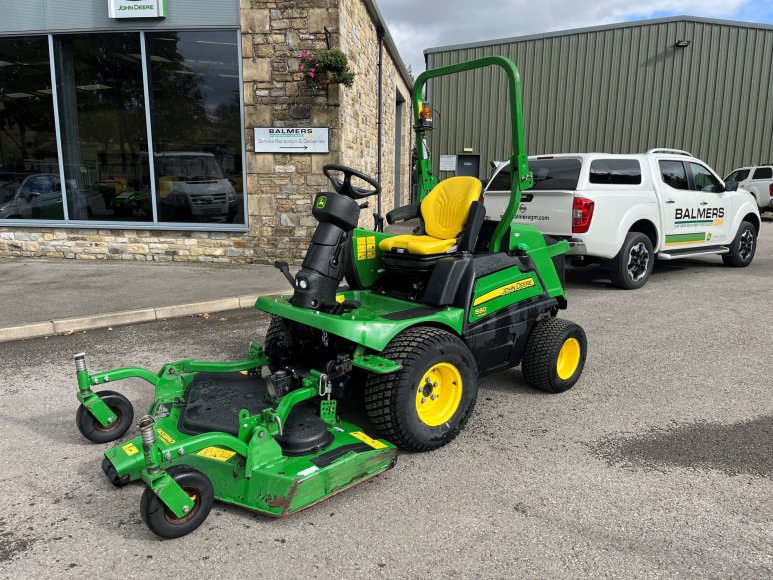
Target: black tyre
x: 92, y: 430
x: 279, y: 344
x: 555, y: 355
x: 162, y: 521
x: 425, y: 404
x: 112, y: 474
x: 632, y: 267
x: 743, y: 248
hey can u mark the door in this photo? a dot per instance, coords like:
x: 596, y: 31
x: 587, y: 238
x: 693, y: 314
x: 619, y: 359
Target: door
x: 679, y: 205
x: 712, y: 217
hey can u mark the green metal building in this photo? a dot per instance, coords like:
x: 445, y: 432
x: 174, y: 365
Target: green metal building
x: 690, y: 83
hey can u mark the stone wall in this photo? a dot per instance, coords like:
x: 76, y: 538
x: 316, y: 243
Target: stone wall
x: 280, y: 188
x: 140, y: 245
x: 359, y: 108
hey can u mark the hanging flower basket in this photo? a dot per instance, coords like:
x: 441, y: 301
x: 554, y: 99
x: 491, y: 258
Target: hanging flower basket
x: 325, y: 67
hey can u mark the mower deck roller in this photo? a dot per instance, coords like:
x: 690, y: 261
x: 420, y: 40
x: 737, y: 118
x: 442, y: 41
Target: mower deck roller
x: 423, y: 316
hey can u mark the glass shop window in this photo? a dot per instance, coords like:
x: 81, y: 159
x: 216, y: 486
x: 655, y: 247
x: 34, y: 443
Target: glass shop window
x: 103, y: 126
x: 30, y: 186
x: 196, y: 125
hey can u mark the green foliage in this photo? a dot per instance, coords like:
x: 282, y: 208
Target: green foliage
x: 325, y: 67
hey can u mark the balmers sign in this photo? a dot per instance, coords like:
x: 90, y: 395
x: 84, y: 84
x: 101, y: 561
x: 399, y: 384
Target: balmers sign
x: 291, y: 140
x: 136, y: 8
x: 699, y: 214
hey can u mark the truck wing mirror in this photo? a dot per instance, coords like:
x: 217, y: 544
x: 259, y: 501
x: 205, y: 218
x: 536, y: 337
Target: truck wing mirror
x: 731, y: 185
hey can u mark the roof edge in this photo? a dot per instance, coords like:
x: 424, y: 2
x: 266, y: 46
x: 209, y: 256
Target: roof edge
x: 571, y: 31
x: 378, y: 20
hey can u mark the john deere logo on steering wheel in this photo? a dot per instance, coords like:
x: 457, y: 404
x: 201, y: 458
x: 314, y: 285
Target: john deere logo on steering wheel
x: 321, y: 201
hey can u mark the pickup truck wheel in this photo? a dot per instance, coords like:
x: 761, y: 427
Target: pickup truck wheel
x: 743, y: 247
x: 633, y: 265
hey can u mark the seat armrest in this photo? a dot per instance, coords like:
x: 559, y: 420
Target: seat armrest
x: 401, y: 214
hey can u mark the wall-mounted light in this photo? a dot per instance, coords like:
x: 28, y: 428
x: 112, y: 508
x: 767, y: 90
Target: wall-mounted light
x: 682, y: 44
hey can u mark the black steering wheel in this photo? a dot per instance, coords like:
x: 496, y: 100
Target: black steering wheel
x: 345, y: 187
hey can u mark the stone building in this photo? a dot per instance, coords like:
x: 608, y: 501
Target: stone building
x: 134, y: 138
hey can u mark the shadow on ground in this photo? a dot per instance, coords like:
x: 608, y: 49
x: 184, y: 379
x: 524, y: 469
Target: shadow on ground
x: 735, y: 449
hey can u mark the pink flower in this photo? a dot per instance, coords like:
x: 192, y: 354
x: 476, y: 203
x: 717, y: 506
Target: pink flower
x: 312, y: 72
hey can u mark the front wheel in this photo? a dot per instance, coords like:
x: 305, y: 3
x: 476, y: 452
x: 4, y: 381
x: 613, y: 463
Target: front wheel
x: 743, y: 247
x: 555, y: 355
x: 633, y: 265
x: 94, y: 431
x: 162, y: 521
x: 428, y: 401
x: 278, y: 344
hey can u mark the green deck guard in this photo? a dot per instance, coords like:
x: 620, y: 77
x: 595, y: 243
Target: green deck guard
x: 366, y: 325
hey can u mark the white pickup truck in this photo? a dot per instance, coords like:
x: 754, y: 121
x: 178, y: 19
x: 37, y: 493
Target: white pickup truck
x: 757, y: 180
x: 624, y: 210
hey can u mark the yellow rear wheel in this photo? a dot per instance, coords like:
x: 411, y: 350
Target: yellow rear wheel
x: 554, y: 356
x: 438, y: 394
x: 568, y: 358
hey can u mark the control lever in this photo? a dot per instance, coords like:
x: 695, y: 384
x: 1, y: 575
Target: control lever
x: 379, y: 222
x: 285, y: 269
x: 365, y: 205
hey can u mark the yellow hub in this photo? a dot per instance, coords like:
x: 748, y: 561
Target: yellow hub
x: 438, y: 394
x: 568, y: 359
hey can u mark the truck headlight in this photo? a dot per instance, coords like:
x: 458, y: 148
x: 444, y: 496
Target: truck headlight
x: 232, y: 195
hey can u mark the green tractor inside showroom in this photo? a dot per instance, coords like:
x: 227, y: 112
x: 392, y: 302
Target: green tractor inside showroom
x: 425, y: 315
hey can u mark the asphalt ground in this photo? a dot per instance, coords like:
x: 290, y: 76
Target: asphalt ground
x: 70, y: 288
x: 657, y: 464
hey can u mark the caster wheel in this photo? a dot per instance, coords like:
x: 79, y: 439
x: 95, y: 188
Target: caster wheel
x: 92, y: 430
x: 162, y: 521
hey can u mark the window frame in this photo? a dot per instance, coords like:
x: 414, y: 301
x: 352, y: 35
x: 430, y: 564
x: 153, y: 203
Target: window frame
x: 155, y: 225
x: 734, y: 175
x: 691, y: 177
x: 599, y: 160
x: 762, y: 168
x: 687, y: 174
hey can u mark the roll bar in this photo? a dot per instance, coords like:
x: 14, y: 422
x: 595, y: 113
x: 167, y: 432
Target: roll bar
x: 522, y: 179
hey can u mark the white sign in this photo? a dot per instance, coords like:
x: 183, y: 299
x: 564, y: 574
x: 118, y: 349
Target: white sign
x: 291, y: 140
x: 448, y: 163
x: 136, y: 8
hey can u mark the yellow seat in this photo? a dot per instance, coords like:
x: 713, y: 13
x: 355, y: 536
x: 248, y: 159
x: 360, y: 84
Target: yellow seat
x: 444, y: 212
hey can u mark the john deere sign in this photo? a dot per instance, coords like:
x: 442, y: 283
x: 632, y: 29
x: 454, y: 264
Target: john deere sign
x: 137, y: 8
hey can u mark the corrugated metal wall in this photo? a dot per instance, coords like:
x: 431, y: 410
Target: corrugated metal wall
x: 618, y: 90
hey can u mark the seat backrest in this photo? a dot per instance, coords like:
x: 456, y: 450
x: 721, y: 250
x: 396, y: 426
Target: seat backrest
x: 447, y: 206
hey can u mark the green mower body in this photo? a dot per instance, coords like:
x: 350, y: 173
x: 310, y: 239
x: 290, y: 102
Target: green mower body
x: 411, y: 334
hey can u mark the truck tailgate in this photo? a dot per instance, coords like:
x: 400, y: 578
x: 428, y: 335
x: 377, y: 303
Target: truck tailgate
x: 550, y: 211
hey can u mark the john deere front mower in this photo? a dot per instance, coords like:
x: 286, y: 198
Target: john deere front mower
x: 424, y: 316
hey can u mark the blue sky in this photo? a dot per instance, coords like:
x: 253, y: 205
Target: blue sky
x: 419, y: 24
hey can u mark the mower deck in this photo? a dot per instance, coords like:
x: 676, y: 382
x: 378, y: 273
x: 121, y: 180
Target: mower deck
x: 268, y: 472
x: 213, y: 402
